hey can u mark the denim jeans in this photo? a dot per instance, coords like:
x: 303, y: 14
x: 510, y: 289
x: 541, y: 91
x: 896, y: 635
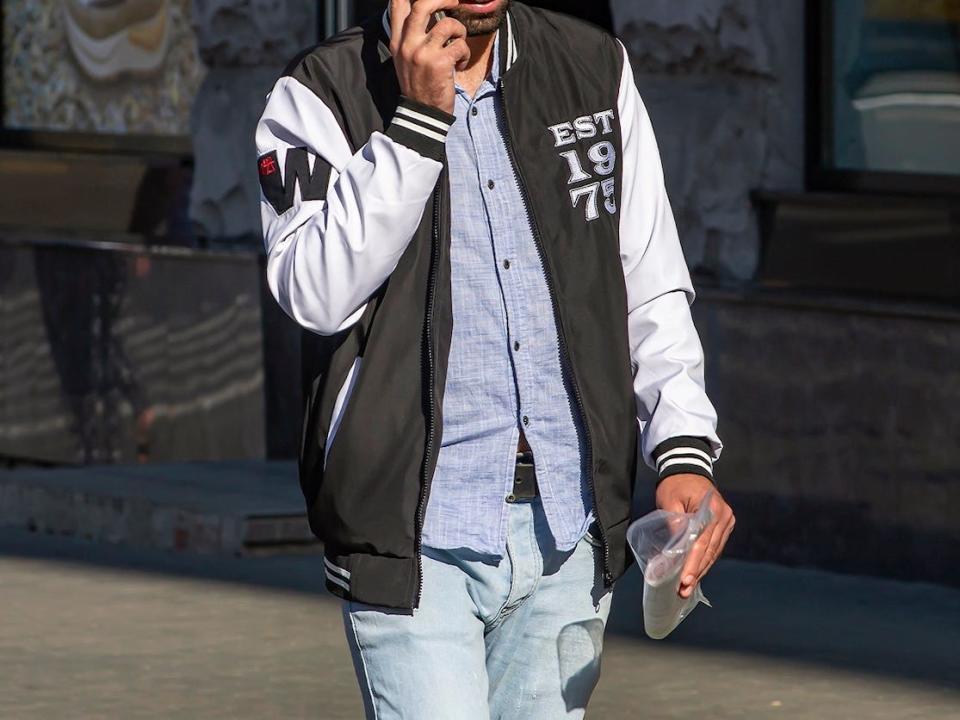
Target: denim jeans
x: 512, y: 638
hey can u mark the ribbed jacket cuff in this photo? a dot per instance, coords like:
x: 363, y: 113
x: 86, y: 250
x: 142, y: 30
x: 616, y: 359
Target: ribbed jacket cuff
x: 421, y: 127
x: 683, y: 455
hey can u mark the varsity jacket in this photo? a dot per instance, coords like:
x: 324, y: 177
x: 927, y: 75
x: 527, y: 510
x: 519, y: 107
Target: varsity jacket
x: 356, y: 222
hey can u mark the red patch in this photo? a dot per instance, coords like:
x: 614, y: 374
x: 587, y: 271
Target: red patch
x: 268, y: 165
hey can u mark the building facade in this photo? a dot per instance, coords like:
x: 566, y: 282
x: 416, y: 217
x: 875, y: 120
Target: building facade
x: 812, y: 155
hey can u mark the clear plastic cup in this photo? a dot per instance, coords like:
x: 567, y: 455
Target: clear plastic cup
x: 661, y: 542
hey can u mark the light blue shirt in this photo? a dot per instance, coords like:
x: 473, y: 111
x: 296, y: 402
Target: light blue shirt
x: 504, y: 368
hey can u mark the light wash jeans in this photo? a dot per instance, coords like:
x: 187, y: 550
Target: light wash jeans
x: 519, y: 638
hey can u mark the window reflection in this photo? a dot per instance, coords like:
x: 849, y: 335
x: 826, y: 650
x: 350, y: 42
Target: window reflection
x: 897, y: 85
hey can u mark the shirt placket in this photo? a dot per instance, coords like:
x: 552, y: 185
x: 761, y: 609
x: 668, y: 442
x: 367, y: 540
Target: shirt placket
x: 509, y: 267
x: 484, y: 133
x: 523, y: 345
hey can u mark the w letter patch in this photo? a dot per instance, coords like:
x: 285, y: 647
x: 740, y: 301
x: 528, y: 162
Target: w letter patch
x: 279, y: 189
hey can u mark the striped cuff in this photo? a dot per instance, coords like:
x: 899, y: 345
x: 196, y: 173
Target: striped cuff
x: 421, y: 127
x: 684, y: 455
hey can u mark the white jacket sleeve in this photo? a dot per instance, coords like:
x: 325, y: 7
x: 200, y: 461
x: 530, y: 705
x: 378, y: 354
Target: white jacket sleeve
x: 677, y: 420
x: 335, y: 223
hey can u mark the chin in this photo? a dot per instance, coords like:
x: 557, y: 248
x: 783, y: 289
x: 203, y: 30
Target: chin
x: 481, y: 23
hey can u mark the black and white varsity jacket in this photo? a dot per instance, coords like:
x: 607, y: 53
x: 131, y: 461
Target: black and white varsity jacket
x: 356, y: 222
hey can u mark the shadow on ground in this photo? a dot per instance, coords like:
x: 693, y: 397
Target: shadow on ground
x: 907, y: 631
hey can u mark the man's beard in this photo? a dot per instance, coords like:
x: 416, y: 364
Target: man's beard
x: 481, y: 24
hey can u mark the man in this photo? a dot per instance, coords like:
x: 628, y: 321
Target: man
x: 471, y: 213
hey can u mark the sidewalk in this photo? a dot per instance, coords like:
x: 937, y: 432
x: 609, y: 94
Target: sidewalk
x: 101, y: 619
x: 101, y: 631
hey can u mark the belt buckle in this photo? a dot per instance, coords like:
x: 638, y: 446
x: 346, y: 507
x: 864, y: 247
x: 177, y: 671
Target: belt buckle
x: 524, y: 479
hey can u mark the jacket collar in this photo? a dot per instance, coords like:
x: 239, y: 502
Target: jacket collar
x: 508, y: 50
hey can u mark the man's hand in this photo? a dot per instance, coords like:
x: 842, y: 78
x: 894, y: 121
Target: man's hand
x: 684, y: 493
x: 427, y: 61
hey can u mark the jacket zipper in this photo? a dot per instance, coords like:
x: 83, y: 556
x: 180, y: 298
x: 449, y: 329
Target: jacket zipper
x: 564, y: 353
x: 431, y: 377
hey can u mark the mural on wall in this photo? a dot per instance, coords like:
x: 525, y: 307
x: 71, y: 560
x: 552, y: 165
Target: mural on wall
x: 246, y: 44
x: 102, y: 66
x: 723, y: 82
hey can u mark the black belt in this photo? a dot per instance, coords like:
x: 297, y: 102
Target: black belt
x: 524, y: 479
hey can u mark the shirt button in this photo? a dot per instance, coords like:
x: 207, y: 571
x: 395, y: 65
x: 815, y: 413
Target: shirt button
x: 474, y: 112
x: 511, y: 498
x: 526, y: 420
x: 516, y: 345
x: 506, y: 264
x: 491, y: 184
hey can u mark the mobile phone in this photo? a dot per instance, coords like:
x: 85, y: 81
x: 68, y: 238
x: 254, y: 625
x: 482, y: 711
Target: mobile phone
x: 437, y: 17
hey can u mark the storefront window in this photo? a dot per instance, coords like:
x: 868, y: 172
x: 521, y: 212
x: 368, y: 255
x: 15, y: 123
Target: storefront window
x: 895, y: 70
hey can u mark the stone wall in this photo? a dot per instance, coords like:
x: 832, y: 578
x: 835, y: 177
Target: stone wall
x: 724, y: 84
x: 246, y: 44
x: 840, y: 429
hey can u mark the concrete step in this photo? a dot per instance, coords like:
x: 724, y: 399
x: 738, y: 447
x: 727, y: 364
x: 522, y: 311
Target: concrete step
x: 228, y: 508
